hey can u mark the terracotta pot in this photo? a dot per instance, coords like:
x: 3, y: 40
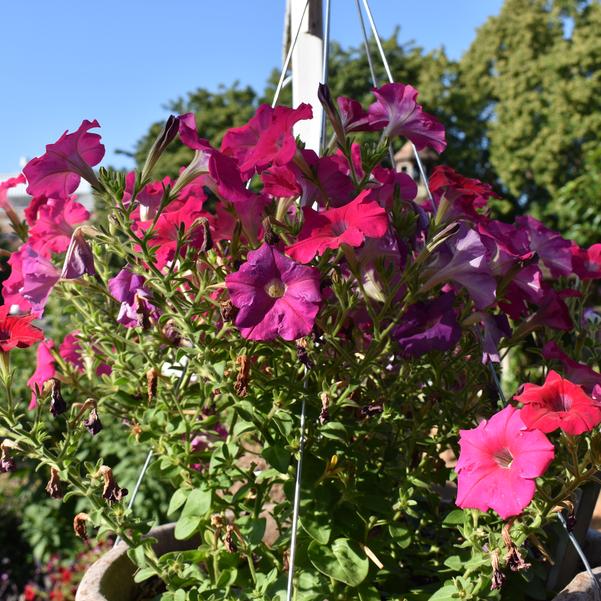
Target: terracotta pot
x: 111, y: 578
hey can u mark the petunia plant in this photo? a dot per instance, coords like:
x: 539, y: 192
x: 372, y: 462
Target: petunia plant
x: 204, y: 312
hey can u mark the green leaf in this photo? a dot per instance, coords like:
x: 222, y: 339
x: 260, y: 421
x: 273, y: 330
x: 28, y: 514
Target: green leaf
x: 446, y: 593
x: 277, y: 457
x: 317, y: 525
x: 144, y: 574
x: 343, y: 561
x: 401, y: 535
x: 457, y: 516
x: 177, y: 500
x: 186, y: 526
x: 198, y: 503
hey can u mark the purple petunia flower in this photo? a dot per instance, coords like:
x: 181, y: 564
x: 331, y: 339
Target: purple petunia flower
x: 429, y: 326
x: 275, y: 296
x: 463, y: 260
x: 136, y: 310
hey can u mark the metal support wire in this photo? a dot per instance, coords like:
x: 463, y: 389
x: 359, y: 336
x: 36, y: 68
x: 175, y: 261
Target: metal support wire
x: 286, y: 64
x: 374, y: 30
x: 146, y: 465
x: 325, y: 71
x: 372, y: 71
x: 296, y: 505
x: 574, y: 541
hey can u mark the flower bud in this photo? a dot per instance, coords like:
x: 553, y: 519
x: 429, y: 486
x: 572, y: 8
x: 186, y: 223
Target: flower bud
x: 79, y: 259
x: 197, y: 167
x: 163, y: 140
x: 331, y: 110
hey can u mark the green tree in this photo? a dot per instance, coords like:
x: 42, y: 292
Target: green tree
x: 533, y: 71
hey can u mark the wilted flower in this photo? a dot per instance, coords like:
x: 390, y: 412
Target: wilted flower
x: 57, y: 403
x: 136, y: 309
x: 93, y: 424
x: 111, y: 491
x: 80, y: 525
x: 54, y: 488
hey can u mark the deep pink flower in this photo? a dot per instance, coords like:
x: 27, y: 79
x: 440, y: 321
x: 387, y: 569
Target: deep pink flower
x: 70, y: 351
x: 180, y: 213
x: 558, y: 403
x: 464, y: 194
x: 586, y: 262
x: 392, y: 185
x: 266, y: 139
x: 499, y: 462
x: 247, y: 205
x: 275, y: 296
x: 45, y: 369
x: 397, y: 112
x: 57, y: 173
x: 349, y: 224
x: 54, y: 226
x: 39, y: 277
x: 149, y: 196
x: 188, y: 133
x: 353, y: 116
x: 280, y: 181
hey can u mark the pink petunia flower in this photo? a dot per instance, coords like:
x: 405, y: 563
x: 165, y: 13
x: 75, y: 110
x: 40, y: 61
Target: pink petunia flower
x: 70, y: 351
x: 14, y: 282
x: 266, y: 139
x: 275, y: 296
x: 349, y: 224
x: 559, y: 403
x: 499, y: 462
x: 45, y: 369
x: 57, y: 173
x: 52, y: 231
x: 398, y: 114
x: 136, y: 309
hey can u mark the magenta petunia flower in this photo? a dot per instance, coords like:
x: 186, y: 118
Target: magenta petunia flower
x: 57, y: 173
x: 45, y: 369
x: 499, y: 462
x: 275, y: 296
x: 54, y: 225
x: 136, y: 309
x: 39, y: 277
x: 353, y: 116
x: 554, y: 250
x: 398, y: 114
x: 266, y: 139
x: 558, y: 403
x: 349, y: 224
x: 586, y: 262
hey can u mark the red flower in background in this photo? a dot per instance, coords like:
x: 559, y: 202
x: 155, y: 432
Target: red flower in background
x: 59, y: 170
x: 558, y: 403
x: 17, y: 331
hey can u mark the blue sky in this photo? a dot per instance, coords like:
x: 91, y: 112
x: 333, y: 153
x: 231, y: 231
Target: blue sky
x: 119, y: 61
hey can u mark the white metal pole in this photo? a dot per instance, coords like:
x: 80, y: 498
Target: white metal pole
x: 307, y: 66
